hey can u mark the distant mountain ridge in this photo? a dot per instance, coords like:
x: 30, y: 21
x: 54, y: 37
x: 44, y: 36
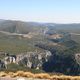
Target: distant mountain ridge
x: 21, y: 27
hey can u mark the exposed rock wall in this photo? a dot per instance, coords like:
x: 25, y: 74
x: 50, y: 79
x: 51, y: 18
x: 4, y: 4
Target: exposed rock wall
x: 34, y: 59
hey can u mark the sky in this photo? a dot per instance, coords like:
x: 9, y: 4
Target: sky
x: 53, y: 11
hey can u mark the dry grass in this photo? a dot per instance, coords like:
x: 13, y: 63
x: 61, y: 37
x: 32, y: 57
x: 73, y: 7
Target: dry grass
x: 3, y: 74
x: 39, y: 75
x: 43, y: 76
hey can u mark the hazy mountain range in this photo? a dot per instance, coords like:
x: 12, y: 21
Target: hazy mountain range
x: 26, y: 27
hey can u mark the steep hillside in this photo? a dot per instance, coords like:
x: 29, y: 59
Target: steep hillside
x: 20, y: 27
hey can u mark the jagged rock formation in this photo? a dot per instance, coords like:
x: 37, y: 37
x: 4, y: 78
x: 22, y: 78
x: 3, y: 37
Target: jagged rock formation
x: 30, y: 59
x: 34, y: 60
x: 77, y: 58
x: 10, y: 59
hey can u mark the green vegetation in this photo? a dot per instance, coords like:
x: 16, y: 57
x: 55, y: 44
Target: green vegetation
x: 15, y: 67
x: 14, y: 45
x: 63, y: 51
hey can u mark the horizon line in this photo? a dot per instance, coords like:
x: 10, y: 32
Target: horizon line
x: 43, y: 22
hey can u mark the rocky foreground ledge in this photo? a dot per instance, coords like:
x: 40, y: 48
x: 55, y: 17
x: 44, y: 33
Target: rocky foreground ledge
x: 21, y: 75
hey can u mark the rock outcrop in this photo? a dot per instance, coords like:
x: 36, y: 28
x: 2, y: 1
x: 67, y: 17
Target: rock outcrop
x: 33, y: 59
x: 29, y: 59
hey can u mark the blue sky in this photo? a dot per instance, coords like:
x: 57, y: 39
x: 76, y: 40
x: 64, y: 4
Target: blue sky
x: 58, y: 11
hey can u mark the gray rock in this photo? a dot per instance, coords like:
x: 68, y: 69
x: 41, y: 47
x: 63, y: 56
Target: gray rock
x: 34, y: 59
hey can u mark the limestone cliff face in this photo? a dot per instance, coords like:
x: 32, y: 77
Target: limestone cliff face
x: 77, y: 58
x: 29, y: 59
x: 34, y: 59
